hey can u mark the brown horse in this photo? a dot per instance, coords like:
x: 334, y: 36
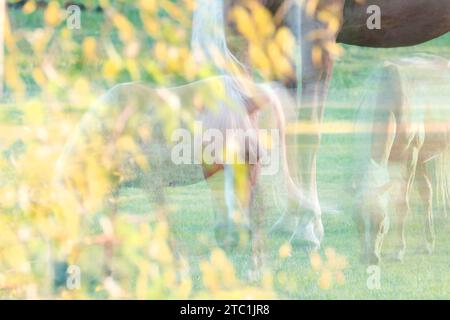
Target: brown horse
x: 403, y: 23
x: 402, y: 125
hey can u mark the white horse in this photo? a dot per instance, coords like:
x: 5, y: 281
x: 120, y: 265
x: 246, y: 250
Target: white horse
x: 156, y: 118
x: 403, y: 124
x: 208, y: 39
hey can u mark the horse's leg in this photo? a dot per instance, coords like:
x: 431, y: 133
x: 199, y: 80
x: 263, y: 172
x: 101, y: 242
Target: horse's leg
x: 239, y: 210
x: 426, y: 193
x: 374, y: 221
x: 401, y: 209
x: 232, y: 205
x: 402, y: 206
x: 155, y: 186
x: 256, y: 223
x: 315, y: 80
x: 315, y: 84
x: 214, y: 176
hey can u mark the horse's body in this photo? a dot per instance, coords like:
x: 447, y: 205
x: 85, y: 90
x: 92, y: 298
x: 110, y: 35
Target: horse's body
x: 403, y: 23
x: 403, y: 126
x: 130, y: 110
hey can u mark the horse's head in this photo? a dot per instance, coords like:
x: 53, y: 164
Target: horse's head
x: 371, y: 211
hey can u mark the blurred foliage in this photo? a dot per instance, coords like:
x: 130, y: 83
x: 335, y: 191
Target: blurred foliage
x: 53, y: 74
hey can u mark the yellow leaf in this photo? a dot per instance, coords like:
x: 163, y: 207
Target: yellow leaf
x: 333, y: 48
x: 340, y: 278
x: 190, y: 4
x: 325, y: 280
x: 89, y: 48
x: 284, y: 68
x: 150, y: 25
x: 160, y: 251
x: 311, y: 7
x: 185, y: 288
x: 273, y: 51
x: 209, y: 276
x: 263, y: 20
x: 124, y: 26
x: 126, y: 144
x: 174, y: 63
x: 8, y: 197
x: 316, y: 56
x: 316, y: 261
x: 330, y: 253
x: 318, y: 34
x: 82, y: 87
x: 52, y: 15
x: 285, y: 40
x: 160, y: 51
x: 111, y: 69
x: 13, y: 78
x: 260, y: 60
x: 173, y: 9
x: 9, y: 37
x: 244, y: 23
x: 29, y: 7
x: 330, y: 20
x: 285, y: 251
x: 267, y: 281
x: 39, y: 77
x: 133, y: 69
x: 149, y: 5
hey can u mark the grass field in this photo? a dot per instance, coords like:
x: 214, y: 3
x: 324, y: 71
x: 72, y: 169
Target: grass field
x: 419, y: 276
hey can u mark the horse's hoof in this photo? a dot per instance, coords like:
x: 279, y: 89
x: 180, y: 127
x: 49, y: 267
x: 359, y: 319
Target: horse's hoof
x: 305, y: 238
x: 230, y: 236
x: 373, y: 259
x: 245, y: 234
x: 286, y: 224
x: 400, y: 256
x: 429, y: 247
x: 255, y: 275
x: 226, y: 236
x: 318, y: 230
x: 306, y: 245
x: 60, y: 274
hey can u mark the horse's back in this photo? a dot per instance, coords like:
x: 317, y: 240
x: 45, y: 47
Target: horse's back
x: 403, y: 22
x: 150, y: 116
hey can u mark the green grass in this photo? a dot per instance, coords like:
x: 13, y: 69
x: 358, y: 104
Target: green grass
x: 420, y: 276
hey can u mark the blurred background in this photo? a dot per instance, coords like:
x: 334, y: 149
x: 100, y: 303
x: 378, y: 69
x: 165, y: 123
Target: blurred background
x: 56, y: 60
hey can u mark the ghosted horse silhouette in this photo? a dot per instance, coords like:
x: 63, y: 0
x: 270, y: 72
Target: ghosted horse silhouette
x: 403, y: 123
x: 132, y: 133
x: 403, y: 23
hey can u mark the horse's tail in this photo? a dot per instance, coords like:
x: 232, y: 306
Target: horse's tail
x: 209, y: 46
x: 208, y: 40
x: 295, y: 193
x: 442, y: 181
